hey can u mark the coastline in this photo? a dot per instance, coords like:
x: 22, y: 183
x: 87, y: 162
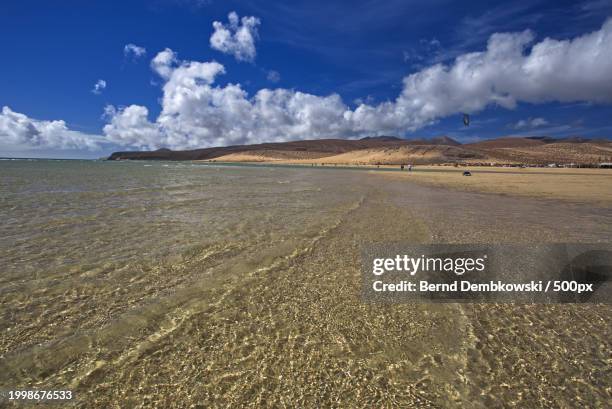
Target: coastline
x: 580, y: 185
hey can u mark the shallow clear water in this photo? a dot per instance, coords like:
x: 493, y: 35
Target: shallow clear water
x: 169, y: 284
x: 69, y: 214
x: 88, y: 226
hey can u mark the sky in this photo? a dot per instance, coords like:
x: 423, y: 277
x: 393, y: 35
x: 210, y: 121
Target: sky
x: 83, y: 79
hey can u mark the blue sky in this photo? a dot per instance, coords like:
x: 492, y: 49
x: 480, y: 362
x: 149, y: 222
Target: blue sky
x: 54, y: 53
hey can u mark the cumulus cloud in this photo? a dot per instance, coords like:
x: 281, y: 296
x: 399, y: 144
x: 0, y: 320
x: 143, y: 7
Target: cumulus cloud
x: 99, y: 86
x: 163, y: 62
x: 133, y: 51
x: 553, y: 70
x: 237, y: 37
x: 17, y: 129
x: 197, y: 112
x: 530, y: 123
x: 130, y: 126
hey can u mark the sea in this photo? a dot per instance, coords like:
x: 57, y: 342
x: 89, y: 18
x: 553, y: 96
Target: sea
x: 177, y: 284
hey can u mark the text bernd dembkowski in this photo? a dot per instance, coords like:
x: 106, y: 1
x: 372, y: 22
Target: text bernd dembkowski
x: 463, y: 285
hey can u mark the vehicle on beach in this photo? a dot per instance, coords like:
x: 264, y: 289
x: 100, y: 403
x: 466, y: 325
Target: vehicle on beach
x: 467, y: 173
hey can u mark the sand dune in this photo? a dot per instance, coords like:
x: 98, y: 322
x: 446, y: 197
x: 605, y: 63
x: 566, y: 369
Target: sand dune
x: 560, y: 152
x: 418, y: 154
x: 531, y: 152
x: 506, y: 142
x: 394, y: 151
x: 272, y: 156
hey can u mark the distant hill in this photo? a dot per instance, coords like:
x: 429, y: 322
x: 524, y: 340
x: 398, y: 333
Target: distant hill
x: 445, y: 140
x: 505, y: 142
x: 314, y: 148
x: 540, y: 150
x: 381, y: 138
x: 394, y: 150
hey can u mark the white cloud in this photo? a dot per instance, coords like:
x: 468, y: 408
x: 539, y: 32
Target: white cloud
x: 273, y: 76
x: 133, y: 51
x: 530, y: 123
x: 130, y: 126
x: 196, y: 112
x: 565, y: 71
x: 99, y: 86
x: 237, y: 37
x: 18, y: 130
x: 163, y: 62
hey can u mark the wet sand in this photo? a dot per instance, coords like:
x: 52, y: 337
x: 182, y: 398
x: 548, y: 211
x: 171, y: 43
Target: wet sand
x: 576, y: 185
x: 284, y: 325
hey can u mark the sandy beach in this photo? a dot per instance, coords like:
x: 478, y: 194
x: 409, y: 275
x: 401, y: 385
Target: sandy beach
x: 569, y: 184
x: 574, y: 185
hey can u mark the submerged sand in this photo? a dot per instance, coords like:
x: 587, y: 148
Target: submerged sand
x: 284, y: 325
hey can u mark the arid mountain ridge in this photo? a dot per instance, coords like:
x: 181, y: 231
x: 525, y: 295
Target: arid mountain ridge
x: 390, y: 150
